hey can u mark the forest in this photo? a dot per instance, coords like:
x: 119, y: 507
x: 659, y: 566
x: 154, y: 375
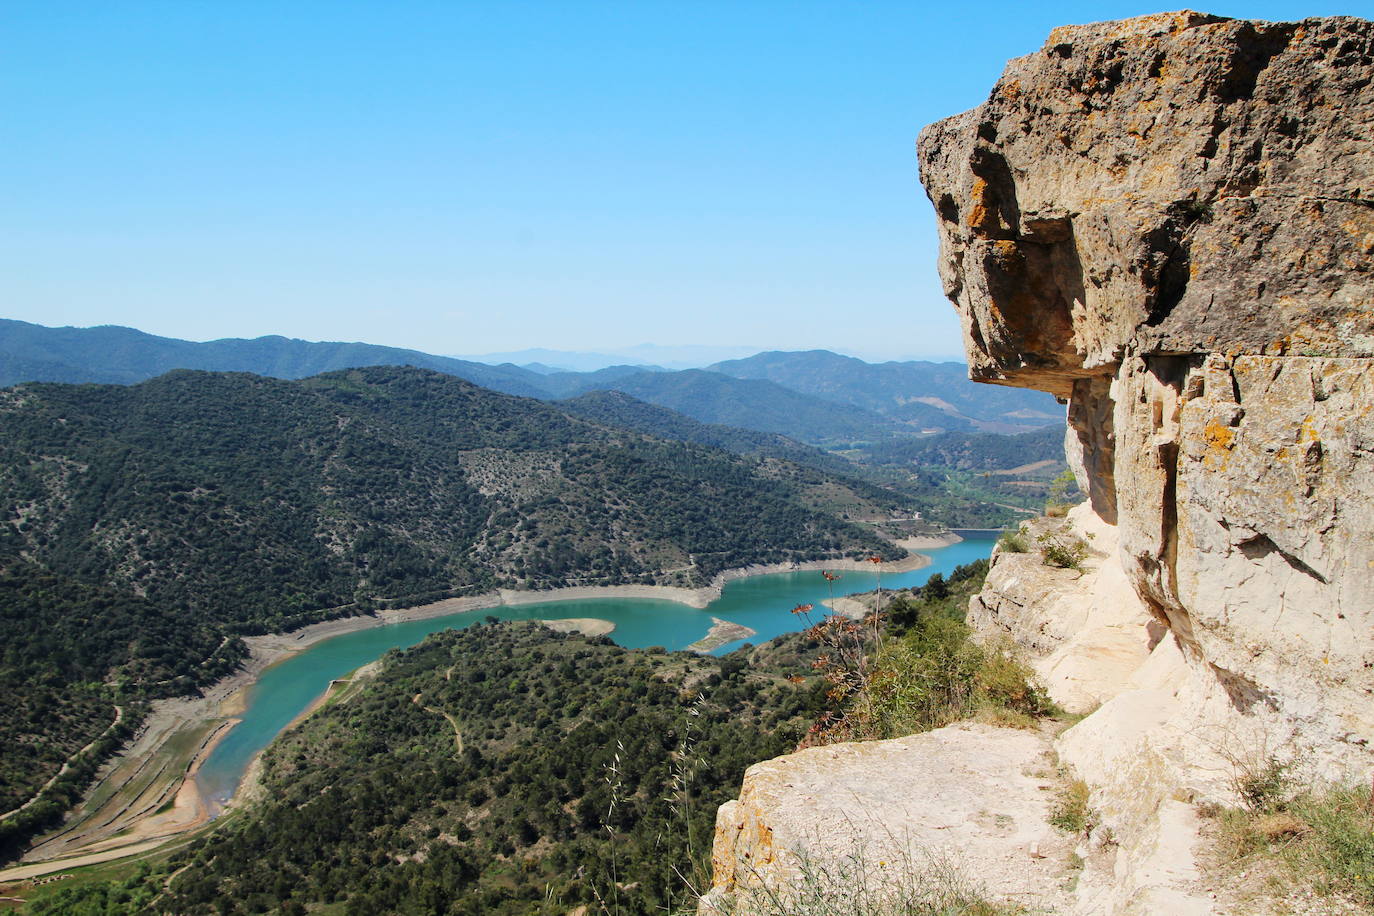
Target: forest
x: 499, y: 769
x: 508, y: 769
x: 145, y: 529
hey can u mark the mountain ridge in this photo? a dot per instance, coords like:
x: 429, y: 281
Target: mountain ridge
x: 777, y: 399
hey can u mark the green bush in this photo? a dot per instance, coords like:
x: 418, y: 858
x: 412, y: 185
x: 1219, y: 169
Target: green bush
x: 1062, y: 550
x: 1013, y: 540
x: 936, y: 674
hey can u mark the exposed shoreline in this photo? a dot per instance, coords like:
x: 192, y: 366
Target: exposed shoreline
x: 223, y: 702
x: 722, y: 633
x: 587, y: 626
x: 267, y: 650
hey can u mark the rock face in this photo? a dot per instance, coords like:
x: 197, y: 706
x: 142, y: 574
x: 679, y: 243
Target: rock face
x: 1168, y: 185
x: 1169, y: 221
x: 825, y: 820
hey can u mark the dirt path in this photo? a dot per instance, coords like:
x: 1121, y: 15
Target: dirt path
x: 24, y: 872
x: 418, y: 700
x: 452, y: 720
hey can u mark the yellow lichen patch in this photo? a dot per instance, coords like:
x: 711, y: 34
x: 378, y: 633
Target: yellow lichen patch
x: 978, y: 213
x: 1219, y: 439
x: 1307, y: 432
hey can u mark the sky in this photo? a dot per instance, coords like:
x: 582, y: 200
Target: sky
x: 464, y: 177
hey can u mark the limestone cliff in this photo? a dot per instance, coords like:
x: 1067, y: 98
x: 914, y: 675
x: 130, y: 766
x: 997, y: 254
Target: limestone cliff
x: 1168, y: 221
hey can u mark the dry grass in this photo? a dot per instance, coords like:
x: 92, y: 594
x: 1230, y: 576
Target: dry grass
x: 912, y: 883
x: 1318, y: 843
x: 1071, y: 812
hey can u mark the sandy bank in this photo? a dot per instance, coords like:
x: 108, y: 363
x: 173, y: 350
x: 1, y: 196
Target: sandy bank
x: 852, y: 608
x: 908, y: 564
x: 721, y: 633
x: 587, y: 626
x: 930, y: 541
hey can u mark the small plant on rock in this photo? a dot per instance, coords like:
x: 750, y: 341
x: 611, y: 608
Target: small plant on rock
x: 1062, y: 550
x: 1013, y: 540
x: 1071, y: 812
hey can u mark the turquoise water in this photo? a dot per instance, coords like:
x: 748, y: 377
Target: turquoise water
x: 763, y: 603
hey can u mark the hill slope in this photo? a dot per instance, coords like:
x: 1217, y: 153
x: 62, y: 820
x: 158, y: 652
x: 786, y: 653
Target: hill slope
x: 144, y: 527
x: 501, y: 769
x: 616, y: 408
x: 757, y: 404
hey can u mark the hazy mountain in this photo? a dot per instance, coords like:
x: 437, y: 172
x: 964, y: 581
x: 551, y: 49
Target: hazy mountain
x: 616, y: 408
x: 123, y: 356
x: 762, y: 405
x: 687, y: 356
x: 905, y: 391
x: 570, y: 384
x: 817, y: 397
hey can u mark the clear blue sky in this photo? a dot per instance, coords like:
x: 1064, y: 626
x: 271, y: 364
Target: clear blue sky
x: 460, y: 177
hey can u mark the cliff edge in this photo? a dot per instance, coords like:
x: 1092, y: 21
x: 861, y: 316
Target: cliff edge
x: 1168, y: 221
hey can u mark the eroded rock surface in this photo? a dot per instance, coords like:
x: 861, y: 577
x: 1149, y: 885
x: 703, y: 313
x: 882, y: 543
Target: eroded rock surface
x: 971, y: 798
x: 1171, y: 184
x: 1169, y: 221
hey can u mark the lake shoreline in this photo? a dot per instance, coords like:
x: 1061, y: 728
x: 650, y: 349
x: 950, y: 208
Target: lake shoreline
x: 267, y: 650
x: 226, y: 699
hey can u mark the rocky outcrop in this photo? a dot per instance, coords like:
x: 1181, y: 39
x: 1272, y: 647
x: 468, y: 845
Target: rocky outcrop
x: 1169, y: 221
x: 969, y: 802
x: 1083, y: 630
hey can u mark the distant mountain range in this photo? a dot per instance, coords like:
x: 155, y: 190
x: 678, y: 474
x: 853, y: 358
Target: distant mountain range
x: 123, y: 356
x: 817, y: 397
x: 648, y: 356
x: 919, y: 394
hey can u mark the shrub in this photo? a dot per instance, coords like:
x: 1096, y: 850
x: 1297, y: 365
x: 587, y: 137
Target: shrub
x: 936, y: 674
x: 1062, y: 550
x: 1265, y: 787
x: 1013, y: 540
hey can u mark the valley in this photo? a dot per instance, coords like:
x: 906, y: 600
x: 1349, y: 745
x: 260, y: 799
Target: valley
x: 217, y: 739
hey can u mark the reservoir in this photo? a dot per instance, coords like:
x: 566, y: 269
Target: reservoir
x: 763, y: 603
